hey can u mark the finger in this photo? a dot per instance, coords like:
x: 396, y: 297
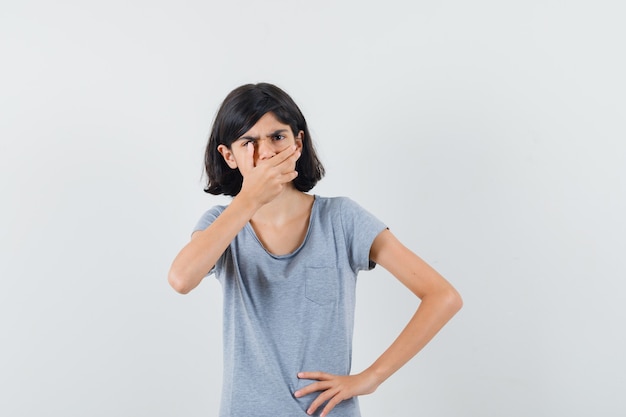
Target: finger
x: 288, y: 166
x: 321, y: 377
x: 311, y: 388
x: 314, y: 375
x: 331, y: 404
x: 291, y: 160
x: 249, y: 158
x: 288, y: 177
x: 282, y: 156
x: 321, y: 399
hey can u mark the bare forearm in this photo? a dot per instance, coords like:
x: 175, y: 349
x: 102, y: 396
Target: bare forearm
x: 198, y: 257
x: 439, y: 302
x: 434, y: 311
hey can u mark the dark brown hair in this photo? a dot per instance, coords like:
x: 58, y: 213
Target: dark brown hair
x: 241, y: 109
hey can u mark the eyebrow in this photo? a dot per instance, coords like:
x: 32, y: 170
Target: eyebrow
x: 274, y: 133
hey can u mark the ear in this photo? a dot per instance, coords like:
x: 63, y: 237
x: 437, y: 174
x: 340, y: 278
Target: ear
x: 299, y: 138
x: 228, y: 156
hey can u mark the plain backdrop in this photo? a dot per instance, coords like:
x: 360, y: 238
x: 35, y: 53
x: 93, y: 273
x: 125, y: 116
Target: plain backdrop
x: 488, y: 135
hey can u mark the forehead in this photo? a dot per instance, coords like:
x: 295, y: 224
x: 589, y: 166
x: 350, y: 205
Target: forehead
x: 268, y: 123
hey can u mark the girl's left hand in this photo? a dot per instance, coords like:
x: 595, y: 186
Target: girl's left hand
x: 335, y: 388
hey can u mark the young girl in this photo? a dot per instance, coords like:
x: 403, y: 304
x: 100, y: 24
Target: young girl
x: 288, y: 262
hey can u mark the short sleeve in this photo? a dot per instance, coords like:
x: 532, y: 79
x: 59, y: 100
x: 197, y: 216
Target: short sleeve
x: 208, y: 217
x: 205, y: 221
x: 360, y: 229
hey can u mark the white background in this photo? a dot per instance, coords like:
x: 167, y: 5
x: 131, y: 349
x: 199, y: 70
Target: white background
x: 488, y: 135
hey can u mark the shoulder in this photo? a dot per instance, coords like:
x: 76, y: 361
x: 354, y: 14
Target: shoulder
x: 209, y: 217
x: 216, y: 209
x: 336, y: 204
x: 213, y: 212
x: 346, y: 211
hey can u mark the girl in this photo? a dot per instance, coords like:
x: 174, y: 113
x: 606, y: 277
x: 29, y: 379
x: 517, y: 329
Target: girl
x: 288, y: 262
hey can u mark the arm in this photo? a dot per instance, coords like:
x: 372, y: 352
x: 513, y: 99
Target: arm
x: 439, y: 302
x: 261, y: 185
x: 197, y: 258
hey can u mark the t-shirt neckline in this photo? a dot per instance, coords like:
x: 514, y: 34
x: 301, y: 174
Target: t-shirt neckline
x: 250, y: 230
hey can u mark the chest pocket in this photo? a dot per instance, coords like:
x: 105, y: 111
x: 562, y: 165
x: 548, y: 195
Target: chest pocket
x: 321, y: 285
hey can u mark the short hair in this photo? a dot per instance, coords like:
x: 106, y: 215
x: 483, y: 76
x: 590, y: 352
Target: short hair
x: 241, y: 109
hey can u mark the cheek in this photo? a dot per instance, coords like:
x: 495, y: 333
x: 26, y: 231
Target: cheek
x: 277, y: 147
x: 292, y: 142
x: 233, y: 161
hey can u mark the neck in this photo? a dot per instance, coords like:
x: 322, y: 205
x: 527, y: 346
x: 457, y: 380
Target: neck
x: 288, y: 204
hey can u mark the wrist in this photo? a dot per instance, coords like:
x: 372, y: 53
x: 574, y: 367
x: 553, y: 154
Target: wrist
x: 374, y: 377
x: 246, y: 204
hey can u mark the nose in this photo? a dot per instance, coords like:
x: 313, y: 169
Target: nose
x: 265, y: 150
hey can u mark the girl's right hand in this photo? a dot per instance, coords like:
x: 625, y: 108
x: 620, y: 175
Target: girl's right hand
x: 265, y: 181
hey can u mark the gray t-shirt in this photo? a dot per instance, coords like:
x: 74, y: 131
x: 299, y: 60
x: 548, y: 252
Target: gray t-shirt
x: 291, y: 313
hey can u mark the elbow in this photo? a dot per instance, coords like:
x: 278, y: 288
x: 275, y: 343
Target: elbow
x: 178, y: 282
x: 447, y: 299
x: 454, y: 301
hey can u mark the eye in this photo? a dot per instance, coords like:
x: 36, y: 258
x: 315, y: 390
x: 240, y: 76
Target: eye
x: 279, y: 137
x: 244, y: 143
